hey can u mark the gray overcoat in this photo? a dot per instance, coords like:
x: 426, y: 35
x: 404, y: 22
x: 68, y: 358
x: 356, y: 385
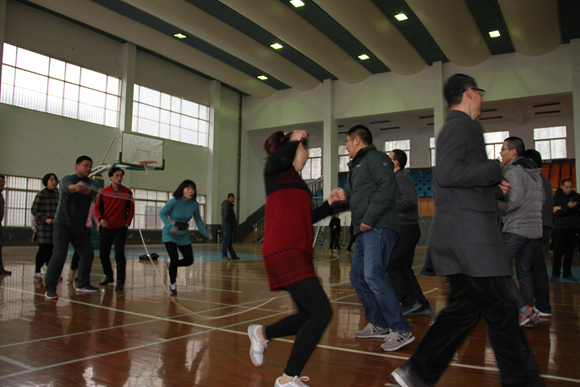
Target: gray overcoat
x: 464, y: 236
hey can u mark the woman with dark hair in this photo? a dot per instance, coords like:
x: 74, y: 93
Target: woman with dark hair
x: 44, y: 209
x: 287, y: 254
x: 176, y: 215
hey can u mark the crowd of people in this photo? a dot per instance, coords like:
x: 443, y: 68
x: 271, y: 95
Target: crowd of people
x: 465, y: 242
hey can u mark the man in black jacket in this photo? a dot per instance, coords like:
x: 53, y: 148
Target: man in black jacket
x: 566, y: 226
x: 228, y: 224
x: 334, y: 232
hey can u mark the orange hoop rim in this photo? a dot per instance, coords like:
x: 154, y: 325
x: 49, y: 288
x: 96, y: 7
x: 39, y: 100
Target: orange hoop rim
x: 145, y: 163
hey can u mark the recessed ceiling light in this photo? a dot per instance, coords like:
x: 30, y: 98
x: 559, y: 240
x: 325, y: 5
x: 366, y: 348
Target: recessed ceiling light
x: 262, y: 77
x: 276, y: 46
x: 494, y: 34
x: 363, y: 57
x: 401, y: 17
x: 179, y: 35
x: 297, y: 3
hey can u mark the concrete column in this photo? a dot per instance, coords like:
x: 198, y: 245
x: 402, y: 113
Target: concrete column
x: 213, y: 215
x: 438, y: 101
x: 575, y: 69
x: 330, y: 142
x: 128, y: 82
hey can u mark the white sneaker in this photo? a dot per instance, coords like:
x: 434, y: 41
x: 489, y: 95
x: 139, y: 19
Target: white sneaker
x: 173, y: 288
x: 258, y: 346
x: 297, y: 382
x: 397, y: 340
x: 373, y: 332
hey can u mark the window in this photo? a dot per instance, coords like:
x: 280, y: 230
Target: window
x: 432, y: 149
x: 551, y: 142
x: 343, y: 159
x: 166, y: 116
x: 493, y: 143
x: 148, y: 203
x: 38, y: 82
x: 313, y: 168
x: 19, y: 194
x: 404, y: 145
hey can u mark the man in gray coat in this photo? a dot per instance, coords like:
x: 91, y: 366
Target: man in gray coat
x: 522, y: 220
x: 228, y: 224
x: 465, y: 245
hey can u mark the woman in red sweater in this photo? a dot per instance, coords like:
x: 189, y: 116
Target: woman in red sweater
x: 287, y: 254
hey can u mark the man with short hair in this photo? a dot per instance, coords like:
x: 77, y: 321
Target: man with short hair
x: 76, y: 194
x: 3, y: 271
x: 522, y: 220
x: 229, y: 222
x: 465, y: 245
x: 400, y: 269
x: 115, y: 209
x: 371, y: 192
x: 566, y: 227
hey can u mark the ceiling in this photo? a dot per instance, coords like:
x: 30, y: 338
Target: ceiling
x: 229, y: 40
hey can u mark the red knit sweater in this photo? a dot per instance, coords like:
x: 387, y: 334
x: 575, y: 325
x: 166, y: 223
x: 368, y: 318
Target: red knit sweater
x: 287, y: 246
x: 117, y: 208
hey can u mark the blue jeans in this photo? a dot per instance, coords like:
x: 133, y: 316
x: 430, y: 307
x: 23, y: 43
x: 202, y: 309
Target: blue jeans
x: 371, y: 282
x: 227, y: 242
x: 522, y: 249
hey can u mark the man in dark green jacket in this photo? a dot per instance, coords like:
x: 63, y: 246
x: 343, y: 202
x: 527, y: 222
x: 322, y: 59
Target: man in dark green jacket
x: 371, y: 191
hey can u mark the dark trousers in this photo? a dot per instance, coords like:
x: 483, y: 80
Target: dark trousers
x: 107, y: 238
x: 522, y: 249
x: 564, y: 242
x: 350, y: 242
x: 314, y: 314
x: 1, y: 263
x: 470, y: 296
x: 43, y: 255
x: 400, y: 267
x: 186, y: 251
x: 74, y: 262
x: 334, y: 238
x: 540, y: 274
x: 227, y: 242
x: 81, y: 241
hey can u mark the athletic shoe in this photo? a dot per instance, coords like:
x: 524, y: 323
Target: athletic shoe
x: 120, y: 285
x: 406, y: 376
x: 539, y: 313
x: 173, y: 288
x: 409, y: 309
x: 5, y: 272
x: 257, y: 346
x: 422, y: 311
x: 373, y: 332
x: 526, y: 316
x: 555, y: 278
x: 297, y: 382
x: 235, y: 258
x: 107, y: 280
x: 397, y: 340
x: 569, y: 279
x: 529, y: 324
x: 226, y: 258
x: 51, y: 295
x: 37, y: 277
x: 87, y: 289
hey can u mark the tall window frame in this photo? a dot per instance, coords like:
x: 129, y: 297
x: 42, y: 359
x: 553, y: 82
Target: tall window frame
x: 38, y: 82
x: 432, y: 150
x: 313, y: 167
x: 551, y: 142
x: 343, y: 158
x: 19, y: 193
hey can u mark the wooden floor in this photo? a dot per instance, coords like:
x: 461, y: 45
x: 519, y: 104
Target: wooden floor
x: 138, y: 337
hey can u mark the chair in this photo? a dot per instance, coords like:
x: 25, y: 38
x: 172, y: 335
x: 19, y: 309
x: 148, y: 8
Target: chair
x: 546, y: 170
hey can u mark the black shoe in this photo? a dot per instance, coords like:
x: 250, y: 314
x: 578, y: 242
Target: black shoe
x: 406, y: 375
x: 120, y: 285
x: 235, y: 258
x: 107, y: 280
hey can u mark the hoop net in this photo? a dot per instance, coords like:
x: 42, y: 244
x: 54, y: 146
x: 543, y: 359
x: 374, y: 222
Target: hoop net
x: 148, y: 165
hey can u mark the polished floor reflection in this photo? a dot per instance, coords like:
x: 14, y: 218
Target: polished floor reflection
x: 138, y: 337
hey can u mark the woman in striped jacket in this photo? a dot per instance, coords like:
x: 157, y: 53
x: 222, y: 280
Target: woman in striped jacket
x: 43, y: 210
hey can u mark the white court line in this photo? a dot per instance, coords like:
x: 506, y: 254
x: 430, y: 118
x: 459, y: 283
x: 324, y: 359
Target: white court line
x: 429, y: 291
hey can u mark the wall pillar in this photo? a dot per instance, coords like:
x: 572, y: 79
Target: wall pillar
x: 330, y: 141
x: 575, y: 69
x: 213, y: 215
x: 438, y: 100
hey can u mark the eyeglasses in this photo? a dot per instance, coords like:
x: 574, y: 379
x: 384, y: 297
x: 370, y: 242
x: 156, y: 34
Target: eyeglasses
x: 347, y: 140
x: 506, y: 149
x: 481, y: 91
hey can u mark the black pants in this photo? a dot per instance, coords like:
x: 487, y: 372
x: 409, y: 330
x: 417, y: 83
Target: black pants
x: 350, y: 242
x: 186, y: 251
x: 74, y: 263
x: 108, y: 237
x: 314, y: 314
x: 470, y: 296
x: 81, y: 241
x: 334, y: 237
x: 43, y: 255
x: 564, y: 242
x: 541, y: 283
x: 400, y: 267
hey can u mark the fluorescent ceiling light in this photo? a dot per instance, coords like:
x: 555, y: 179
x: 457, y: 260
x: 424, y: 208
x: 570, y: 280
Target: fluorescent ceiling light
x: 401, y: 17
x: 276, y: 46
x: 297, y: 3
x: 363, y: 57
x: 494, y: 34
x: 179, y: 35
x: 262, y: 77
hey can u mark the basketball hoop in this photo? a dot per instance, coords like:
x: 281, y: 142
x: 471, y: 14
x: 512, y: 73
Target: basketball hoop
x: 148, y: 166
